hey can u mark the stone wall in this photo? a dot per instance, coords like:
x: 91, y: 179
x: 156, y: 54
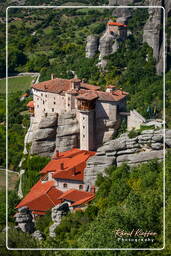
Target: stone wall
x: 133, y: 151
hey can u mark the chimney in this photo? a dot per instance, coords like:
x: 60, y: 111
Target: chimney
x: 57, y: 153
x: 62, y: 166
x: 52, y: 76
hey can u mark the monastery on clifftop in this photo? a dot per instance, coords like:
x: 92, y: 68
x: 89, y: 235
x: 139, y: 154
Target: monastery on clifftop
x: 96, y: 110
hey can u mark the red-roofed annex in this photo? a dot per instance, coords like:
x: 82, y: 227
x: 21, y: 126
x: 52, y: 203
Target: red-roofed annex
x: 62, y: 179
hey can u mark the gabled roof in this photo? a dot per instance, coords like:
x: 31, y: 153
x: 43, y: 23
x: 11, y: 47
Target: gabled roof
x: 90, y: 87
x: 56, y: 85
x: 42, y: 197
x: 115, y: 95
x: 75, y: 195
x: 68, y: 165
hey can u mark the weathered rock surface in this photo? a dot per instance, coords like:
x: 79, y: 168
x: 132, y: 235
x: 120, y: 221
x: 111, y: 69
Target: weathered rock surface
x: 106, y: 44
x: 91, y: 46
x: 134, y: 151
x: 67, y: 132
x: 24, y: 220
x: 151, y: 34
x: 48, y: 122
x: 57, y: 213
x: 44, y: 136
x: 37, y: 235
x: 141, y: 157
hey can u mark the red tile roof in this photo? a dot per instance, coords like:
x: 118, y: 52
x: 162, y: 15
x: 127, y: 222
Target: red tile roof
x: 56, y: 85
x: 68, y: 165
x: 115, y: 95
x: 111, y: 23
x: 59, y: 85
x: 87, y: 96
x: 75, y: 195
x: 30, y: 104
x: 42, y: 197
x: 90, y: 87
x: 84, y: 200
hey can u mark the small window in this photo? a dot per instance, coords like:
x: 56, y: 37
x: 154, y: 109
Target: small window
x: 64, y: 185
x: 41, y: 94
x: 68, y: 104
x: 83, y: 127
x: 83, y: 135
x: 37, y: 106
x: 37, y: 98
x: 54, y: 103
x: 46, y: 95
x: 43, y: 102
x: 44, y: 109
x: 83, y: 118
x: 52, y: 109
x: 80, y: 187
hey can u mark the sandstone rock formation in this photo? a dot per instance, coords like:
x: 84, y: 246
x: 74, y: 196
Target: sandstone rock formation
x: 24, y: 220
x: 147, y: 146
x: 151, y: 33
x: 67, y: 132
x: 91, y: 46
x: 44, y: 137
x: 57, y: 213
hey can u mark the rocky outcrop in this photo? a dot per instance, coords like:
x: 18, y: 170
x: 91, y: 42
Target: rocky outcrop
x: 57, y: 213
x: 151, y: 33
x: 91, y: 46
x: 67, y: 132
x: 24, y: 220
x: 44, y: 137
x: 106, y: 44
x: 53, y: 131
x: 133, y: 151
x: 37, y: 235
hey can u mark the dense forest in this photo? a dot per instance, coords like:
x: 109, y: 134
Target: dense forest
x: 127, y: 198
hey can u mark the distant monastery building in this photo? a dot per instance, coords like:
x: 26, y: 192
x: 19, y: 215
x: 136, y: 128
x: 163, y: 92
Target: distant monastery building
x: 96, y: 111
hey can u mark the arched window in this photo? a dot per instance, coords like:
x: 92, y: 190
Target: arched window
x: 80, y: 187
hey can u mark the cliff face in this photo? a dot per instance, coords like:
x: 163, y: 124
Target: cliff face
x: 60, y: 132
x: 153, y: 30
x: 133, y: 151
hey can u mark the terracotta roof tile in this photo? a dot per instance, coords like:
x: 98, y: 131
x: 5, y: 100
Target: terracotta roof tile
x: 84, y: 200
x: 30, y: 104
x: 42, y: 197
x: 116, y: 24
x: 56, y: 85
x: 90, y: 87
x: 75, y: 195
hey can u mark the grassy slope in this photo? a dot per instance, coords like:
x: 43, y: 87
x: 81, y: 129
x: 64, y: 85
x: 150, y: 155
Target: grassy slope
x: 12, y: 179
x: 16, y: 84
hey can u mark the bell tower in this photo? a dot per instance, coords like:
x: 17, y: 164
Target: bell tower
x: 86, y: 107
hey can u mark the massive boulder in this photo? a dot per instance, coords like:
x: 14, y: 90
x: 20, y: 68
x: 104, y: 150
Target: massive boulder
x: 106, y: 44
x: 24, y: 220
x: 151, y: 33
x: 92, y: 46
x: 67, y: 132
x: 44, y: 137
